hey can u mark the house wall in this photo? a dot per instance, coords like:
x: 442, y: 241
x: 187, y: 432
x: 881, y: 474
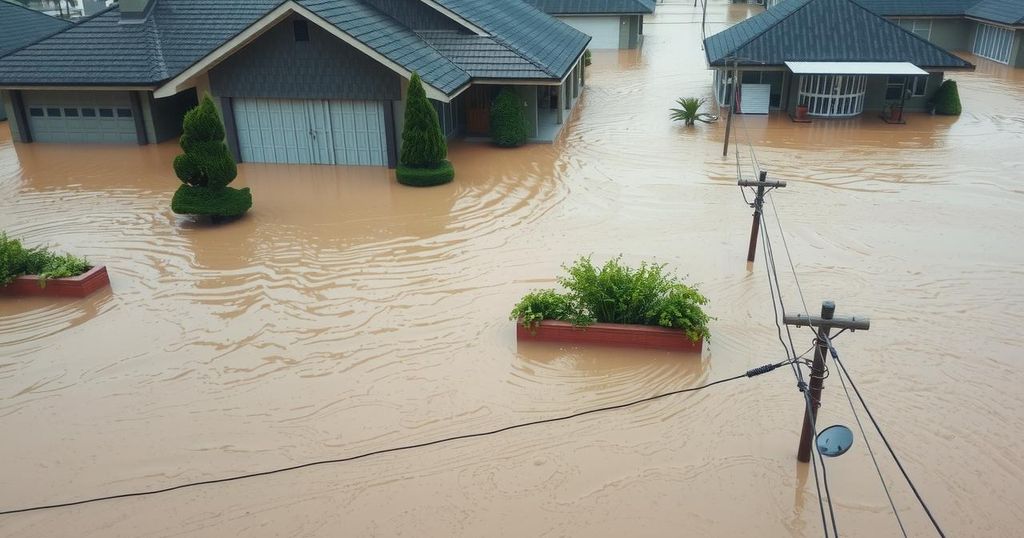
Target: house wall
x: 529, y: 97
x: 8, y: 109
x: 874, y: 94
x: 953, y: 34
x: 278, y: 66
x: 1017, y: 57
x: 164, y: 116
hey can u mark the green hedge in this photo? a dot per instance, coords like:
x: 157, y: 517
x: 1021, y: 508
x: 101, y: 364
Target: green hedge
x: 423, y: 144
x: 211, y: 202
x: 947, y: 99
x: 426, y: 177
x: 509, y: 127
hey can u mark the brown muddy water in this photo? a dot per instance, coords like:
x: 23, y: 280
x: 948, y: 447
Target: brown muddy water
x: 347, y: 314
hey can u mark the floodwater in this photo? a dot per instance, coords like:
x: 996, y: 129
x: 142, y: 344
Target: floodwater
x: 347, y: 314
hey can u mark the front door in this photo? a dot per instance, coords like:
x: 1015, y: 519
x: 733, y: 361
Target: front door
x: 478, y: 110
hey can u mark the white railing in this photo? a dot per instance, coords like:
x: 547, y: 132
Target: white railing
x: 834, y: 96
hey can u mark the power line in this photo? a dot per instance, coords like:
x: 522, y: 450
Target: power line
x: 835, y: 356
x: 749, y: 373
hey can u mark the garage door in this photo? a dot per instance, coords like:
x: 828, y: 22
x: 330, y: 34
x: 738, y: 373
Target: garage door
x: 311, y: 131
x: 604, y: 30
x: 85, y: 117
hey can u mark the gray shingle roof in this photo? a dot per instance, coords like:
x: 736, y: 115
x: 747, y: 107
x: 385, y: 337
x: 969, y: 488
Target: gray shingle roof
x: 823, y: 31
x: 593, y: 7
x: 102, y: 51
x: 544, y: 40
x: 1001, y: 11
x: 482, y: 56
x: 20, y: 26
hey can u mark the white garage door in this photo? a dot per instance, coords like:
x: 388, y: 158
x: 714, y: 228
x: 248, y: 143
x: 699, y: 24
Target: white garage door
x: 755, y: 98
x: 311, y: 131
x: 80, y: 117
x: 604, y: 30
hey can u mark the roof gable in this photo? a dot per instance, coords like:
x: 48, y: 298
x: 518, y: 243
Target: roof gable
x: 823, y: 31
x: 20, y: 26
x: 593, y: 7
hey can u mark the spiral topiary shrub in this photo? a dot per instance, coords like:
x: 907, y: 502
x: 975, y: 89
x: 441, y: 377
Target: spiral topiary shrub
x: 206, y: 168
x: 947, y: 99
x: 422, y: 162
x: 509, y: 127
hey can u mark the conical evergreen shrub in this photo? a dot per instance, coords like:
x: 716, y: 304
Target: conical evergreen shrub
x: 509, y: 127
x: 206, y: 168
x: 423, y: 144
x: 422, y: 162
x: 947, y: 99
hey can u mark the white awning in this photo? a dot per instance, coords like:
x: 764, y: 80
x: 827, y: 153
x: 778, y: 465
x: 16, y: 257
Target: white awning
x: 855, y: 68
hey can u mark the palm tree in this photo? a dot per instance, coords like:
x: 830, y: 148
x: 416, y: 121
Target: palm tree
x: 690, y: 111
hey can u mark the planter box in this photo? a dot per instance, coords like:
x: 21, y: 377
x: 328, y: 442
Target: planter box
x: 76, y: 286
x: 610, y: 334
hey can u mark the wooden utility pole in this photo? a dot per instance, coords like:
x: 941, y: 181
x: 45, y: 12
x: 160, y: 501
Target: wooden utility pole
x: 755, y: 227
x: 824, y: 324
x: 732, y: 104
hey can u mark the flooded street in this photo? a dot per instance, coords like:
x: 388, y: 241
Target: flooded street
x: 347, y: 313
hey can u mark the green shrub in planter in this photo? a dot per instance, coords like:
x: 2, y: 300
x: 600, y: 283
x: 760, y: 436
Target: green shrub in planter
x: 615, y: 293
x: 509, y: 127
x: 16, y: 260
x: 206, y: 168
x: 947, y: 99
x: 426, y: 177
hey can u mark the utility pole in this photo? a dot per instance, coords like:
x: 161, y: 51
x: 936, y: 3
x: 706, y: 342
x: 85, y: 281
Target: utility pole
x: 755, y: 227
x: 825, y: 323
x: 732, y: 104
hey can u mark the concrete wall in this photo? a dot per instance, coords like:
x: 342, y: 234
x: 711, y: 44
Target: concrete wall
x: 278, y: 66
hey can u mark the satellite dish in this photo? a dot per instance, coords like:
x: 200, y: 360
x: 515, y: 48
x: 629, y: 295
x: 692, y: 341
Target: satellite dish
x: 834, y: 441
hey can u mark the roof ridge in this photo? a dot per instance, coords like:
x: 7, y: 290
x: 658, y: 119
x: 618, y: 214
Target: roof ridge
x: 158, y: 47
x: 776, y: 22
x: 521, y: 53
x: 905, y: 31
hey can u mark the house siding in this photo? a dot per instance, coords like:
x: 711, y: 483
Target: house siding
x: 874, y: 94
x: 278, y: 66
x: 164, y: 116
x: 1017, y: 57
x: 8, y: 107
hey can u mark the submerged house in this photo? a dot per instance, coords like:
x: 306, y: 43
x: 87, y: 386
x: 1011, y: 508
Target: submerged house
x: 992, y: 29
x: 834, y: 57
x: 20, y: 26
x: 296, y: 81
x: 613, y: 24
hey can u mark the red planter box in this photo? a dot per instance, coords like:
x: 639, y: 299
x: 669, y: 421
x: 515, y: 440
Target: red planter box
x: 610, y: 334
x: 76, y: 286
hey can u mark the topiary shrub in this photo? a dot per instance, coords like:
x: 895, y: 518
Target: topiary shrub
x: 206, y: 168
x: 422, y: 162
x: 509, y: 127
x: 946, y: 100
x: 426, y: 177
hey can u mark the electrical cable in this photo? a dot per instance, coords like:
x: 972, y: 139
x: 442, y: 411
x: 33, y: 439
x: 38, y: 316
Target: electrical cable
x: 748, y: 374
x: 835, y: 356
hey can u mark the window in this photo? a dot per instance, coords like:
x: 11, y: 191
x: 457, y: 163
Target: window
x: 71, y: 112
x: 301, y: 30
x: 993, y: 42
x: 106, y: 113
x: 53, y: 112
x: 35, y: 112
x: 88, y: 112
x: 916, y: 86
x: 124, y: 112
x: 921, y: 27
x: 833, y: 95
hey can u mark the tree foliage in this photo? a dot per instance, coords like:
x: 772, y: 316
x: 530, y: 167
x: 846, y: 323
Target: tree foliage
x: 509, y: 127
x: 423, y: 144
x: 207, y: 168
x: 947, y: 99
x: 689, y: 111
